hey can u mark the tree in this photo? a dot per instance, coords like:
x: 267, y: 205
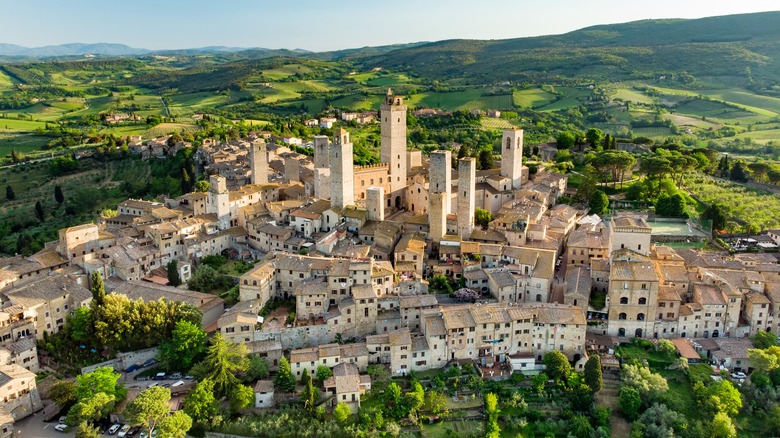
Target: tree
x: 485, y: 159
x: 188, y: 341
x: 150, y: 407
x: 323, y: 373
x: 594, y: 136
x: 9, y: 193
x: 598, y: 202
x: 241, y: 397
x: 86, y: 430
x: 201, y: 186
x: 491, y: 408
x: 716, y: 213
x: 39, y: 213
x: 341, y: 412
x: 16, y: 156
x: 579, y: 426
x: 415, y: 398
x: 62, y: 393
x: 103, y: 379
x: 435, y: 403
x: 258, y: 369
x: 284, y: 379
x: 98, y: 289
x: 670, y: 206
x: 764, y: 360
x: 175, y: 425
x: 186, y: 183
x: 204, y: 279
x: 91, y: 409
x: 200, y: 404
x: 588, y: 184
x: 646, y: 382
x: 393, y: 400
x: 58, y: 196
x: 565, y: 140
x: 538, y: 381
x: 173, y: 273
x: 557, y: 366
x: 629, y: 401
x: 225, y: 359
x: 593, y: 373
x: 722, y: 396
x: 739, y: 171
x: 666, y: 346
x: 482, y: 217
x: 764, y: 339
x: 660, y: 421
x: 722, y: 426
x: 309, y: 396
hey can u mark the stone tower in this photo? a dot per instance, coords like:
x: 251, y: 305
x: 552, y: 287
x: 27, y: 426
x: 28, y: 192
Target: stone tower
x: 437, y: 218
x: 258, y: 159
x: 292, y: 169
x: 440, y: 177
x: 321, y: 167
x: 219, y: 200
x: 512, y: 156
x: 375, y: 204
x: 342, y: 171
x: 467, y: 177
x: 392, y: 118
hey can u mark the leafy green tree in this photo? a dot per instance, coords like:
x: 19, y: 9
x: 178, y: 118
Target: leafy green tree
x: 588, y: 184
x: 594, y: 136
x: 241, y: 397
x: 764, y: 339
x: 224, y: 360
x: 646, y: 382
x: 341, y: 412
x: 435, y: 403
x: 9, y: 193
x: 671, y: 206
x: 538, y: 381
x: 717, y: 214
x: 173, y: 273
x: 557, y: 366
x: 284, y: 380
x: 593, y: 372
x: 767, y: 359
x: 86, y: 430
x: 323, y: 373
x: 579, y: 426
x: 97, y: 288
x: 565, y: 140
x: 309, y: 396
x: 80, y: 325
x: 722, y: 396
x: 258, y: 369
x: 415, y: 398
x: 58, y: 196
x: 103, y: 379
x: 91, y: 408
x: 629, y: 401
x: 739, y: 171
x: 150, y: 407
x: 201, y: 186
x: 187, y: 343
x: 393, y: 400
x: 485, y: 159
x: 491, y: 408
x: 63, y: 393
x: 598, y: 202
x: 482, y: 217
x: 722, y: 426
x: 660, y: 421
x: 200, y: 404
x: 175, y: 425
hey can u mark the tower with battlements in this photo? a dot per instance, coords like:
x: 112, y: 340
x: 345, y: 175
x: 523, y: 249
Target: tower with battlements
x: 321, y: 167
x: 342, y: 172
x: 512, y: 156
x: 467, y: 177
x: 393, y: 146
x: 258, y: 159
x: 219, y: 200
x: 375, y: 204
x: 440, y: 177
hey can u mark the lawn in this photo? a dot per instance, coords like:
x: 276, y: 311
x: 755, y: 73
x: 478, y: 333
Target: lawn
x: 20, y: 125
x: 357, y: 102
x: 454, y: 428
x: 762, y: 136
x: 532, y: 98
x: 568, y: 97
x: 20, y: 141
x: 285, y: 72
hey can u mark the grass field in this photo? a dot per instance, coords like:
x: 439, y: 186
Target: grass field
x: 285, y: 72
x: 683, y: 120
x: 166, y: 128
x: 20, y: 141
x: 763, y: 136
x: 532, y: 98
x: 446, y: 100
x: 357, y: 102
x: 491, y: 123
x: 759, y: 208
x: 653, y: 132
x: 629, y: 95
x: 20, y: 125
x: 717, y: 110
x: 568, y: 97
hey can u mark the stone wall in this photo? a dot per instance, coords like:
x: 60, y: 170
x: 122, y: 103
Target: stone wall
x: 124, y: 360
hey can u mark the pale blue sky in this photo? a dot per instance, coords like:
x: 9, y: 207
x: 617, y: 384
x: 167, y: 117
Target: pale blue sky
x: 325, y: 25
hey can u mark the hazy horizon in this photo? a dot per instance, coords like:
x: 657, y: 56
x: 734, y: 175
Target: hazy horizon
x: 172, y: 25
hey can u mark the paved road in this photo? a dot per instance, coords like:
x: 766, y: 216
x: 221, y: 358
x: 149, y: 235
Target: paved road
x: 34, y: 427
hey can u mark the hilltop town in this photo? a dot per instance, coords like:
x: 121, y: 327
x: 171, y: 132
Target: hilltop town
x: 358, y: 266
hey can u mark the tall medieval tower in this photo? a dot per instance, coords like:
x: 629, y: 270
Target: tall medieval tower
x: 440, y: 177
x: 258, y: 161
x: 467, y: 177
x: 219, y: 198
x: 321, y: 167
x: 512, y: 156
x: 342, y: 171
x: 393, y: 147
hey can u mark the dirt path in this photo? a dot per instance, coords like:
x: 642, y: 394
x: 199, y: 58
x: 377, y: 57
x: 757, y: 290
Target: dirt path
x: 608, y: 397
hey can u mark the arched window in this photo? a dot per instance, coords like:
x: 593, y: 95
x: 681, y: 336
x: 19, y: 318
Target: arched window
x: 508, y: 143
x: 640, y: 316
x: 623, y: 300
x: 621, y: 332
x: 622, y: 316
x: 539, y: 297
x: 642, y: 301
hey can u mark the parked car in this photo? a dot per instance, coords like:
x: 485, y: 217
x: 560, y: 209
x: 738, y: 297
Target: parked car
x: 152, y: 385
x: 178, y: 383
x: 159, y: 376
x: 113, y: 429
x: 62, y: 419
x: 61, y: 427
x: 123, y: 431
x: 133, y: 431
x: 142, y: 377
x: 188, y: 377
x: 738, y: 375
x: 146, y: 435
x: 175, y: 376
x: 132, y: 368
x: 148, y: 363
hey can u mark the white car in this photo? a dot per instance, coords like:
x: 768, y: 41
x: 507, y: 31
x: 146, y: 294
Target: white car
x: 738, y: 375
x: 61, y: 427
x: 113, y: 429
x: 146, y: 435
x: 123, y: 431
